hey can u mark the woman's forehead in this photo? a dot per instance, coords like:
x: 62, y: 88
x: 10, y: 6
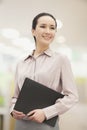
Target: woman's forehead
x: 46, y: 20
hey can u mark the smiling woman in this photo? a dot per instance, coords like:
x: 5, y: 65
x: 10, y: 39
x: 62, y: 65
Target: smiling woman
x: 44, y: 31
x: 48, y: 68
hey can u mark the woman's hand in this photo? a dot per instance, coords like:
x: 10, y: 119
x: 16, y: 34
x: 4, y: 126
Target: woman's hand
x: 17, y: 114
x: 37, y: 115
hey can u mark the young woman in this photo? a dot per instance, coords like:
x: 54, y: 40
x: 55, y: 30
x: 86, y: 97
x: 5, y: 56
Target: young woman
x: 46, y: 67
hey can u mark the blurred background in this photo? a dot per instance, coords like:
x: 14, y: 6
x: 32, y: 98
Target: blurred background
x: 16, y: 41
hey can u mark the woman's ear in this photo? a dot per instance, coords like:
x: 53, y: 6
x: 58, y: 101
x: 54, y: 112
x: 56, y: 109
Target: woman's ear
x: 33, y: 32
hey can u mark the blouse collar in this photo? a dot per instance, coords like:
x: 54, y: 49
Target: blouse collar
x: 47, y: 52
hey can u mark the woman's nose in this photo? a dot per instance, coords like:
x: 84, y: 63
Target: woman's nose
x: 47, y: 30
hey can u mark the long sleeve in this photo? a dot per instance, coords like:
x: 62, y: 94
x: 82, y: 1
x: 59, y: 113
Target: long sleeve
x: 16, y: 91
x: 69, y: 90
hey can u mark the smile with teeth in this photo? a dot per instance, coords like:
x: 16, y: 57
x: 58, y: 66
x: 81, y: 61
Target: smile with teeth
x: 47, y: 37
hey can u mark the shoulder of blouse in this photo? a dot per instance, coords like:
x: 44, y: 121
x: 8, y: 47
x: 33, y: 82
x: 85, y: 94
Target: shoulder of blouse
x: 62, y: 56
x: 62, y: 59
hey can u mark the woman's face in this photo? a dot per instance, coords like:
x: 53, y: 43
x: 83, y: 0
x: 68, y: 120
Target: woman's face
x: 45, y: 30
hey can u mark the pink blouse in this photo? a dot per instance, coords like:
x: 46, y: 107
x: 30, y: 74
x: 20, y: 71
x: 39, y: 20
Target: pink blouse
x: 53, y: 70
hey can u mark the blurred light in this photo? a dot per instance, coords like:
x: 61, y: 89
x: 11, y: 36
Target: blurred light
x: 59, y: 24
x: 23, y: 43
x: 10, y: 33
x: 61, y: 39
x: 80, y: 69
x: 84, y: 56
x: 9, y: 50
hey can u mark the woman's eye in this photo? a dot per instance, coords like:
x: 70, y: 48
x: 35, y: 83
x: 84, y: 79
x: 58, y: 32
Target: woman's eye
x: 42, y: 26
x: 52, y: 28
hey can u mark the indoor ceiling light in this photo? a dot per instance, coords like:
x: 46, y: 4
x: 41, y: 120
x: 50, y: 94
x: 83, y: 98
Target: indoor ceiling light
x: 61, y: 39
x: 10, y: 33
x: 9, y: 50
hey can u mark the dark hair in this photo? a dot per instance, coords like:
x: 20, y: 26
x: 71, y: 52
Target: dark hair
x: 35, y: 20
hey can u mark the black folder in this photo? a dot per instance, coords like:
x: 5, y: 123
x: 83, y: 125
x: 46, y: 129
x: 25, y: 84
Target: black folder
x: 34, y: 95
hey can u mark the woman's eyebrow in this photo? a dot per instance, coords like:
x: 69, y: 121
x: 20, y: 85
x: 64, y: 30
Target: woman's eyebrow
x: 46, y: 24
x: 43, y: 24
